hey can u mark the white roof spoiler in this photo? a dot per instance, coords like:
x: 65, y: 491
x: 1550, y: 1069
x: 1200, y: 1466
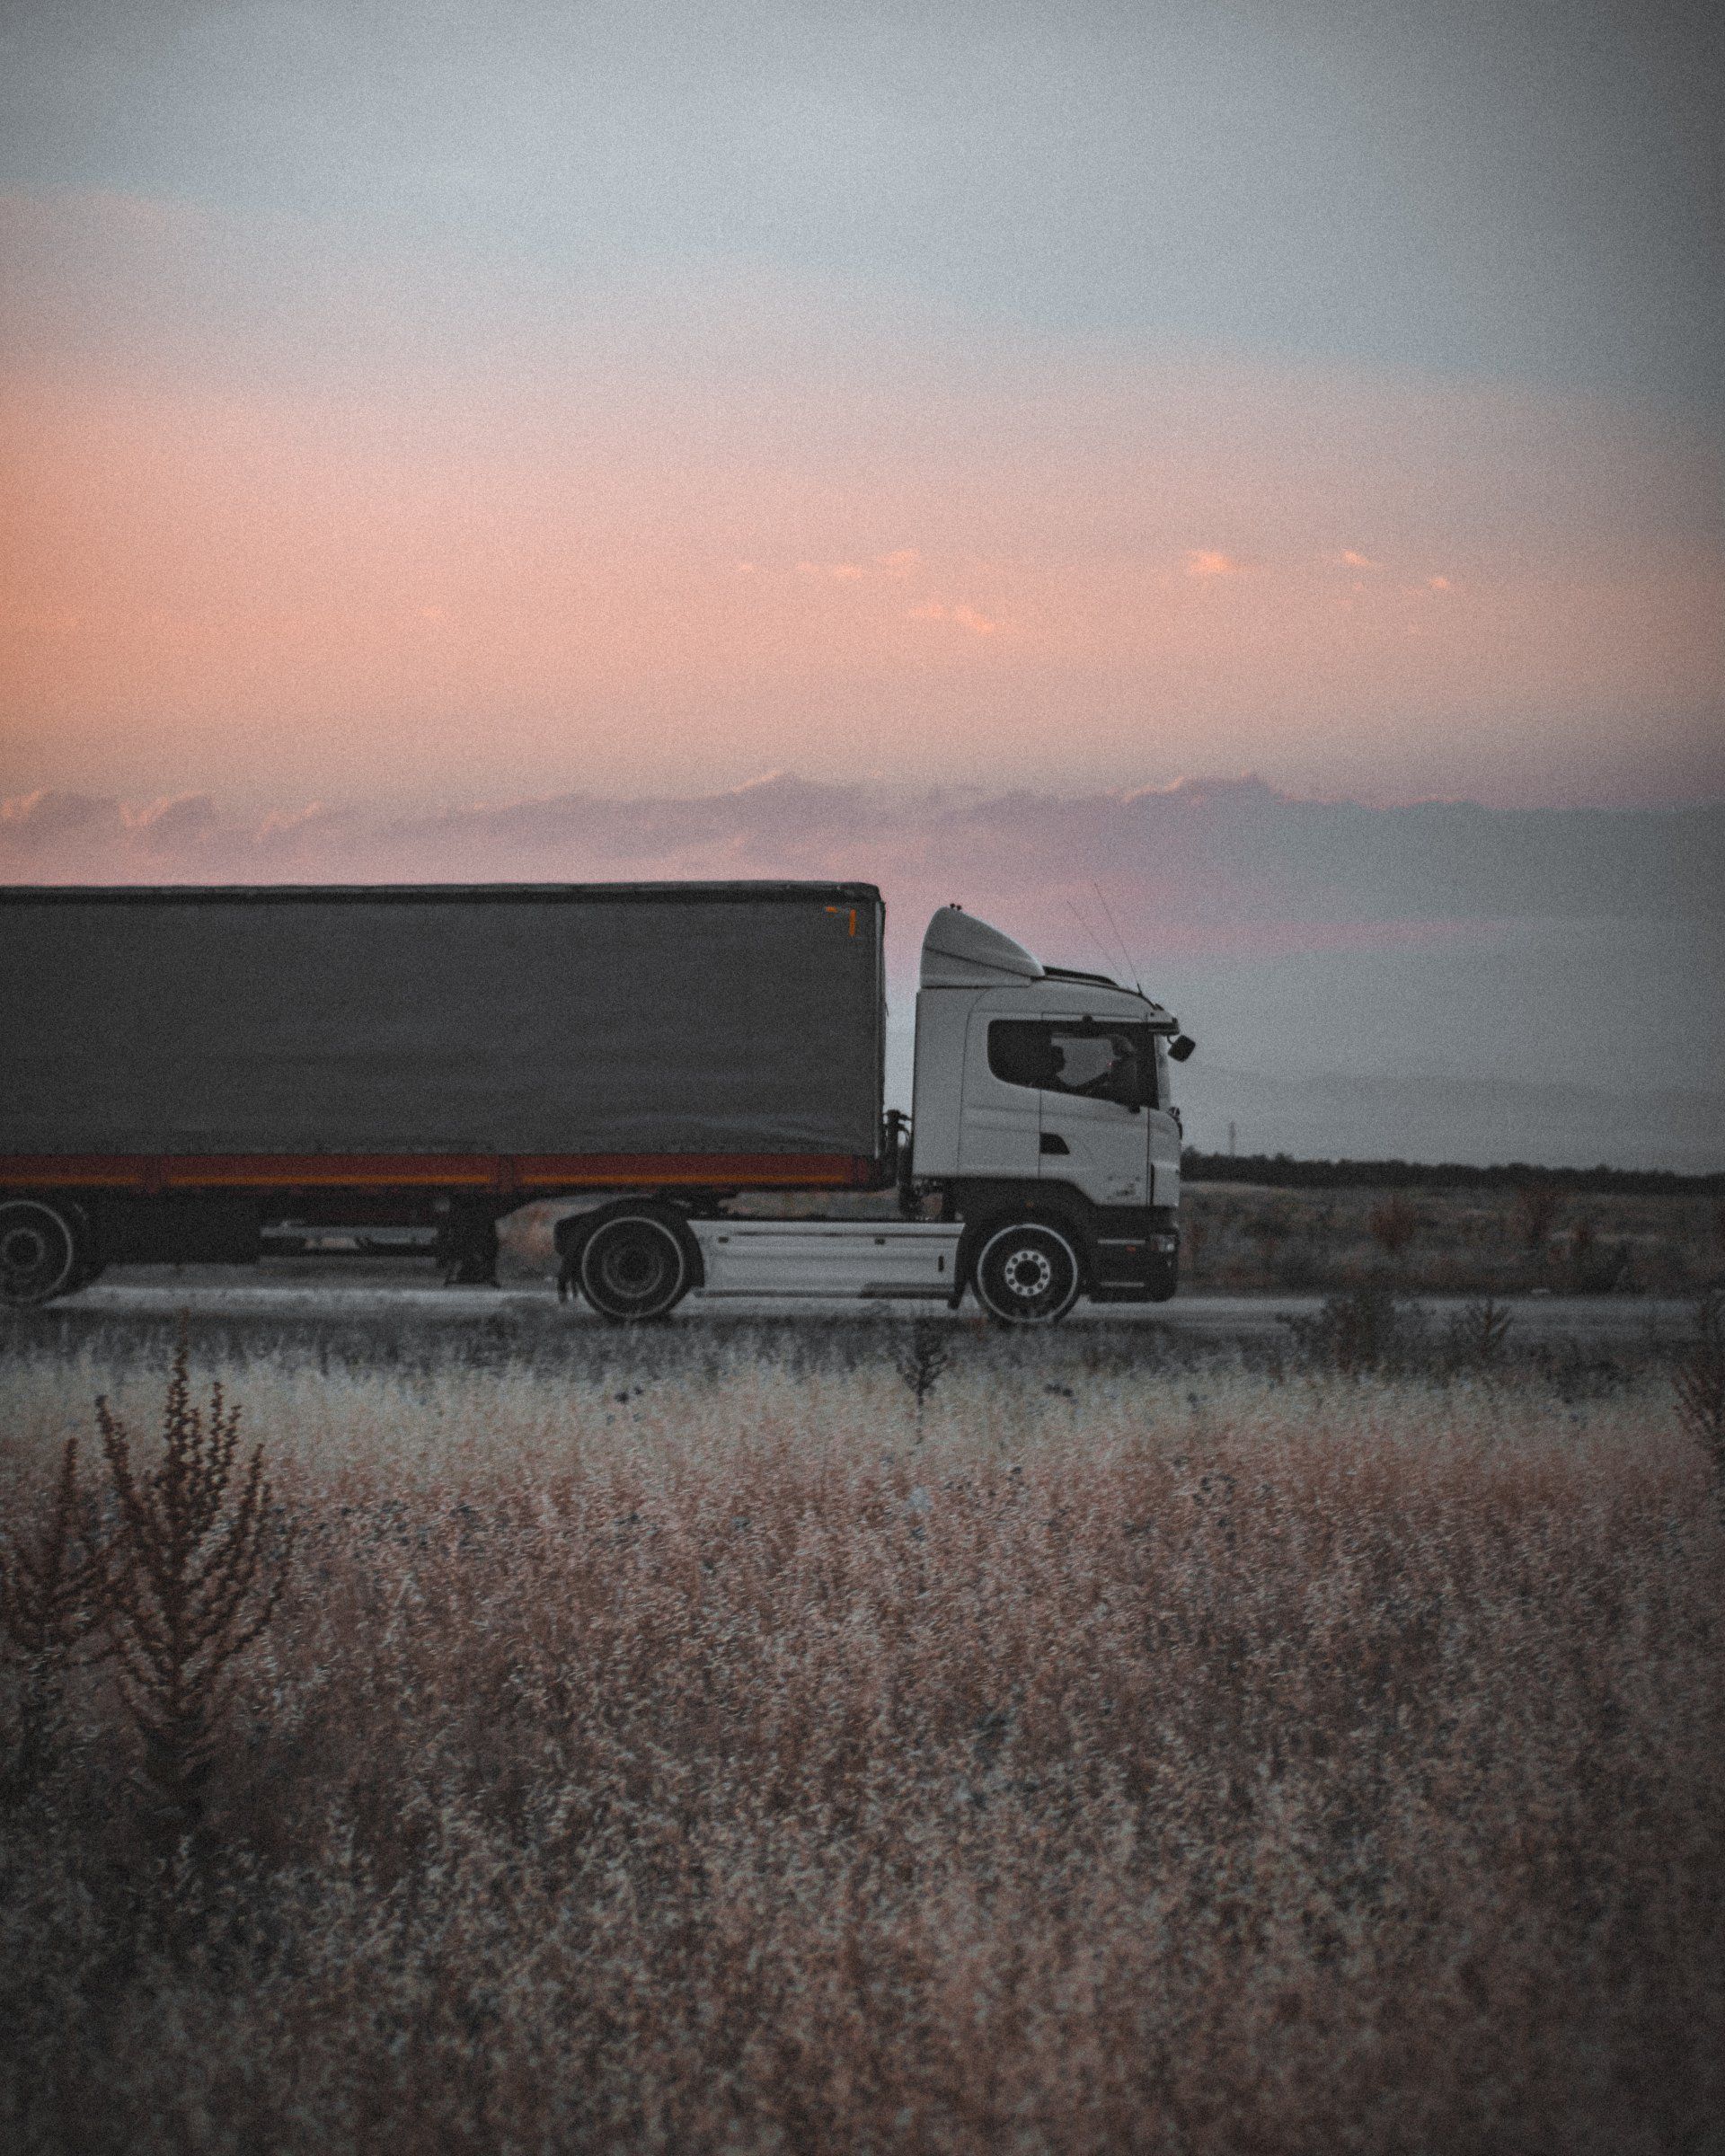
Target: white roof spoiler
x: 959, y: 951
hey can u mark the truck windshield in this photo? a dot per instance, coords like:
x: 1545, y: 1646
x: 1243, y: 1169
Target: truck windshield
x: 1096, y: 1062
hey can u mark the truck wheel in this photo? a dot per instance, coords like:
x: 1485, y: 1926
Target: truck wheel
x: 1027, y: 1274
x: 42, y: 1250
x: 636, y: 1265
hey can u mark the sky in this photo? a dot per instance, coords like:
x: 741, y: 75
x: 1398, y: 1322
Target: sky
x: 416, y: 420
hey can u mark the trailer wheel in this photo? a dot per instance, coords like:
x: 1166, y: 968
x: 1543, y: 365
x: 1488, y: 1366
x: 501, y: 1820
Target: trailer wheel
x: 41, y: 1249
x: 636, y: 1265
x: 1027, y: 1274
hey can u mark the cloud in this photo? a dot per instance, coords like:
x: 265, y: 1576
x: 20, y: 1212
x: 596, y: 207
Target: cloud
x: 173, y: 826
x: 1350, y: 558
x: 1207, y: 561
x: 902, y: 562
x: 1208, y: 852
x: 30, y: 822
x: 961, y: 617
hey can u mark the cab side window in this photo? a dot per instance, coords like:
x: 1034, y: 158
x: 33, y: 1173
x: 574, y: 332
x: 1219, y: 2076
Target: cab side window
x: 1098, y: 1062
x: 1021, y: 1050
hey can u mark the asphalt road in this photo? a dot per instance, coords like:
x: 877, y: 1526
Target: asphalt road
x: 296, y: 1289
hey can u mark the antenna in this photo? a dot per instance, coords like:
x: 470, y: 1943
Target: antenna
x: 1101, y: 952
x: 1125, y: 954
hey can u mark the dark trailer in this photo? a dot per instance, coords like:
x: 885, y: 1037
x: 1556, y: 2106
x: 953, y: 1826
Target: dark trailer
x: 180, y: 1066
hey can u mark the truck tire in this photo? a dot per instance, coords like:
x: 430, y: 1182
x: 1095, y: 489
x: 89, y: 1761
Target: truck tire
x: 636, y: 1264
x: 42, y: 1248
x: 1027, y: 1273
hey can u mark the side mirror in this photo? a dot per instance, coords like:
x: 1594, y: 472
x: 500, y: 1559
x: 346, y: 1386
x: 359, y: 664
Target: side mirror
x: 1181, y: 1046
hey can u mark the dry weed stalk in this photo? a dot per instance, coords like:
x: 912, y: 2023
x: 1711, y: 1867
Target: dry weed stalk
x: 925, y: 1361
x: 55, y: 1601
x: 191, y: 1585
x: 1477, y: 1332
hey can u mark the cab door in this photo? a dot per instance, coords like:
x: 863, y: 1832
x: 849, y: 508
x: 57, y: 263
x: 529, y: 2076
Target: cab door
x: 1000, y: 1132
x: 1095, y: 1120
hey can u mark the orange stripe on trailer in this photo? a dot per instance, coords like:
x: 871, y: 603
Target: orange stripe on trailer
x: 518, y: 1175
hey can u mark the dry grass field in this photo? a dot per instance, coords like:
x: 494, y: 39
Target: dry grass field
x: 692, y: 1747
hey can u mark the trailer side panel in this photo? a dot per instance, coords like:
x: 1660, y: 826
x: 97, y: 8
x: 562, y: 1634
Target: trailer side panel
x: 534, y: 1022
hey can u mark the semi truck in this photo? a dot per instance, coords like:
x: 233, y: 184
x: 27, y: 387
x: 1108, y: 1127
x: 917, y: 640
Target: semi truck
x: 187, y: 1073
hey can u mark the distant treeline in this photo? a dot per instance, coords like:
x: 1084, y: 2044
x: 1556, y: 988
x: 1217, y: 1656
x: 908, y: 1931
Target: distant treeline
x: 1281, y: 1169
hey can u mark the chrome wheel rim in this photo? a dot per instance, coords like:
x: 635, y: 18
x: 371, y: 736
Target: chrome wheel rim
x: 1028, y: 1273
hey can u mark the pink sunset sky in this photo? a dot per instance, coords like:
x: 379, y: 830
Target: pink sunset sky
x: 690, y: 532
x: 421, y: 405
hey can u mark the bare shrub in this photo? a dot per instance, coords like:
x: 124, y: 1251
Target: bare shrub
x: 55, y: 1601
x: 1534, y: 1210
x: 192, y: 1582
x: 1269, y: 1227
x: 1393, y: 1224
x: 1363, y: 1328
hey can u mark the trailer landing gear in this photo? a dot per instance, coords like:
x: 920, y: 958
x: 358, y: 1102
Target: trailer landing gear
x: 466, y: 1248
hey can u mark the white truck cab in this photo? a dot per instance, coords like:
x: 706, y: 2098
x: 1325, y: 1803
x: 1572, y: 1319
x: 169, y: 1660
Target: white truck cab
x: 1044, y: 1093
x: 1042, y: 1128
